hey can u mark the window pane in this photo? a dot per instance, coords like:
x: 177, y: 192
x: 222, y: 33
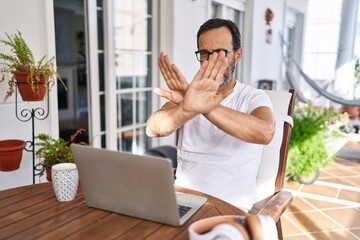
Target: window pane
x: 130, y: 66
x: 134, y: 141
x: 131, y: 31
x: 143, y: 106
x: 125, y: 141
x: 102, y: 112
x: 103, y: 141
x: 102, y: 121
x: 101, y: 72
x: 124, y: 82
x: 143, y: 142
x: 233, y: 14
x: 136, y: 6
x: 125, y: 108
x: 100, y: 26
x: 215, y: 11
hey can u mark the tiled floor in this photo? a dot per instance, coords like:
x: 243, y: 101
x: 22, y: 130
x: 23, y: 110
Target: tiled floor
x: 329, y: 208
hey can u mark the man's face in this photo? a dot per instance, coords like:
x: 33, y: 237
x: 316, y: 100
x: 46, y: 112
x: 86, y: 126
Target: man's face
x: 220, y: 38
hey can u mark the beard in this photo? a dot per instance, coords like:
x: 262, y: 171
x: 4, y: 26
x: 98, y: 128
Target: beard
x: 229, y: 73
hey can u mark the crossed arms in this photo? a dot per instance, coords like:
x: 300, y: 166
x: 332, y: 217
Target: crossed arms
x: 203, y: 96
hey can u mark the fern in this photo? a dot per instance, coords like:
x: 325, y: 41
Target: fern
x: 53, y: 151
x: 21, y: 59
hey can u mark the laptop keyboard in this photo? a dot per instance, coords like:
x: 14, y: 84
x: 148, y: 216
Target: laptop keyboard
x: 183, y: 210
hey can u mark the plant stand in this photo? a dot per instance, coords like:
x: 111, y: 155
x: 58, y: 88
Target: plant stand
x: 27, y: 115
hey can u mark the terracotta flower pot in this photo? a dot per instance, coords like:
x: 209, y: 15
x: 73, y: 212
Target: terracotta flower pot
x: 48, y: 173
x: 352, y: 111
x: 11, y: 154
x: 28, y: 94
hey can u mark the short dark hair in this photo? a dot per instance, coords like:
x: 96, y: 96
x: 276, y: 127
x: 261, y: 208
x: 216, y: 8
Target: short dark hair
x: 218, y: 23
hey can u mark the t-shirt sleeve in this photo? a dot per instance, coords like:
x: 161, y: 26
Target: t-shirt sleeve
x: 258, y: 98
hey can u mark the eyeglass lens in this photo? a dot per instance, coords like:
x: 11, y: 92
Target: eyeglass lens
x: 204, y: 55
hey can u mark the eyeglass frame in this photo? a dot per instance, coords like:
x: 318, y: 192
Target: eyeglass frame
x: 209, y: 53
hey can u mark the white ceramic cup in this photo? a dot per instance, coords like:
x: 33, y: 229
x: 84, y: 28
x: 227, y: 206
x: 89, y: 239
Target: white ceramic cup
x: 65, y: 179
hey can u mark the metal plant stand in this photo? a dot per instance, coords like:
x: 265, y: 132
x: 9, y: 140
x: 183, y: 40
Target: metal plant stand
x: 27, y: 115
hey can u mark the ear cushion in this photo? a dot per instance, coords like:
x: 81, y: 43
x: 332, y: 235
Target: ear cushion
x: 261, y: 227
x: 224, y: 231
x: 207, y: 228
x: 254, y: 228
x: 269, y: 227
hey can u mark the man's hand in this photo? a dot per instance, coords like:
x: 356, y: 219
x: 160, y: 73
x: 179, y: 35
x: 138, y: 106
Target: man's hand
x: 174, y: 79
x: 203, y: 93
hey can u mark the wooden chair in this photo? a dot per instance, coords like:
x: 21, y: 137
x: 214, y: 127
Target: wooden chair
x: 270, y: 198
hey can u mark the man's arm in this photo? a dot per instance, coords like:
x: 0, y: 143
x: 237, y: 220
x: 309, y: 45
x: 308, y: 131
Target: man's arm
x: 167, y: 120
x: 256, y: 127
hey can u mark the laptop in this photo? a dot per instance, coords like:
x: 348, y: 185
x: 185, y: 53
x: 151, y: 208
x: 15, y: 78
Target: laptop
x: 133, y: 185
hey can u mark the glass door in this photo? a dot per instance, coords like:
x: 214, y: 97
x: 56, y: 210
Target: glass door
x: 121, y: 47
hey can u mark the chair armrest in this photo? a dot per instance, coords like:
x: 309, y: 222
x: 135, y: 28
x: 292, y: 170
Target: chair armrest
x: 276, y: 205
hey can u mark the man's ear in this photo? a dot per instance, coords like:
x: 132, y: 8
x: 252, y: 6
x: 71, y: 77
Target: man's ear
x: 238, y: 55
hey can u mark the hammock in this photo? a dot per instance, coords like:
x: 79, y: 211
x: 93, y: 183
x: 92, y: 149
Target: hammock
x: 294, y: 85
x: 318, y: 89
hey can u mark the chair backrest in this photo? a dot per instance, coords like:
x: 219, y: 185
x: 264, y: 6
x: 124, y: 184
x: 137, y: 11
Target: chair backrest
x: 271, y: 173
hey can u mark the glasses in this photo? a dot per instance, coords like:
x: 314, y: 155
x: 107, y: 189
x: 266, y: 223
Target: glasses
x: 203, y: 55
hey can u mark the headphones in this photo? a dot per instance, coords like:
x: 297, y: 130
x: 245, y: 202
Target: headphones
x: 231, y: 227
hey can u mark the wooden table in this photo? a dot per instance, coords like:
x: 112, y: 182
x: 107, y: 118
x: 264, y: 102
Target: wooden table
x: 32, y: 212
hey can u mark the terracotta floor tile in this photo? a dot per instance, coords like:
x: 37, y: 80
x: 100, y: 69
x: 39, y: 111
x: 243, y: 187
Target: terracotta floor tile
x: 323, y: 173
x: 288, y: 227
x: 357, y: 169
x: 352, y: 145
x: 346, y: 162
x: 312, y: 221
x: 341, y: 171
x: 320, y: 190
x: 350, y: 195
x: 300, y: 237
x: 338, y: 180
x: 298, y: 205
x: 343, y: 234
x: 292, y: 185
x: 323, y: 204
x: 333, y: 164
x: 356, y: 232
x: 355, y: 180
x: 349, y: 181
x: 349, y: 218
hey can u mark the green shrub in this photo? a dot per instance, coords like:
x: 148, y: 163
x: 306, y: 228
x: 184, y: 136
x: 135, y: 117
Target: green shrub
x: 307, y: 147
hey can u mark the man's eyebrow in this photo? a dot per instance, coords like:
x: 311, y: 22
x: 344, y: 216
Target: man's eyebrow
x: 218, y: 49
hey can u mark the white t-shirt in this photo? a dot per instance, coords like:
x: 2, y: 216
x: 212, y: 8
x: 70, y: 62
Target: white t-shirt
x: 213, y: 162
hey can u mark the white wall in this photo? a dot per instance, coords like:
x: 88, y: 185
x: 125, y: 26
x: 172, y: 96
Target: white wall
x: 266, y: 58
x: 35, y: 19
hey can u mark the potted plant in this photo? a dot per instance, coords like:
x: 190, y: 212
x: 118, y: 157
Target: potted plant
x: 11, y: 151
x: 315, y: 139
x: 32, y: 77
x: 53, y: 151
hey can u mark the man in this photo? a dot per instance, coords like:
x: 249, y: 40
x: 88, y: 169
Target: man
x: 222, y: 123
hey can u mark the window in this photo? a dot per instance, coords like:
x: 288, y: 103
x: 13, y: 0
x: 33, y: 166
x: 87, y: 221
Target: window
x: 122, y: 85
x: 133, y: 67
